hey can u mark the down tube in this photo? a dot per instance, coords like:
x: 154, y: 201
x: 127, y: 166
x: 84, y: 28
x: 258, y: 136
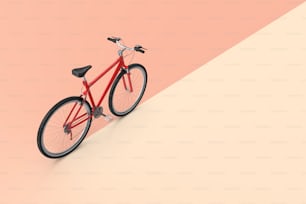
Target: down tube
x: 109, y: 84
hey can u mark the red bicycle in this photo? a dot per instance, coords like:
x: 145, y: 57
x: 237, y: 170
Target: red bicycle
x: 66, y: 124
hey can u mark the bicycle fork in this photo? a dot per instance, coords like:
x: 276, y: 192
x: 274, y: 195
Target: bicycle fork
x: 130, y: 89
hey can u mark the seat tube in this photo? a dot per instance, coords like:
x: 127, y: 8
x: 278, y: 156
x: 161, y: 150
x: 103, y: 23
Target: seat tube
x: 88, y: 92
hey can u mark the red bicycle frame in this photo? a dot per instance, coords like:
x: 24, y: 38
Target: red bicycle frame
x: 87, y: 91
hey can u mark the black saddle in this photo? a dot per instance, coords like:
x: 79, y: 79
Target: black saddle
x: 80, y: 72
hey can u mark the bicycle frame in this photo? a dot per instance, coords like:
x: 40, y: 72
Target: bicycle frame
x: 121, y: 65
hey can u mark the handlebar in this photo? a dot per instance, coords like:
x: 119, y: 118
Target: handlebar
x: 137, y: 48
x: 113, y: 39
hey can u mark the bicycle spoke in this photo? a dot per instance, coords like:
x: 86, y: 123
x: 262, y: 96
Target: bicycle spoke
x: 55, y: 139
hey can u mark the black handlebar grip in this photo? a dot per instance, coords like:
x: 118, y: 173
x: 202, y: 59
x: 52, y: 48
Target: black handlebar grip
x: 111, y: 39
x: 138, y: 48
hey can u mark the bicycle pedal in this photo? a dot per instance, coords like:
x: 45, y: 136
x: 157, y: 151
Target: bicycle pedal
x: 107, y: 118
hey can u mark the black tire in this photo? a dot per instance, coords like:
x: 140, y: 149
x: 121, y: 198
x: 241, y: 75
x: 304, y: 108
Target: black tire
x: 115, y: 87
x: 42, y: 128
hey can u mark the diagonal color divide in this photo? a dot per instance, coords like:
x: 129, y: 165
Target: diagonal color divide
x: 232, y: 131
x: 48, y: 38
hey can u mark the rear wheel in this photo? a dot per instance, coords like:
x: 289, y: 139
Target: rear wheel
x: 56, y: 136
x: 127, y: 90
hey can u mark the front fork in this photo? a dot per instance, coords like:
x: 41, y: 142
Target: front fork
x: 128, y: 76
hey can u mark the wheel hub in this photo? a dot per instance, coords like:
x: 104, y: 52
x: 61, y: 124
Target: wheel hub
x: 67, y: 129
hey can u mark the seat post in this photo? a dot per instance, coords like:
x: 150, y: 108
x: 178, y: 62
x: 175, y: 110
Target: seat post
x: 88, y: 91
x: 85, y: 82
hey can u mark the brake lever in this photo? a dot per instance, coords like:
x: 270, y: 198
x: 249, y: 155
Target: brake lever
x: 140, y: 47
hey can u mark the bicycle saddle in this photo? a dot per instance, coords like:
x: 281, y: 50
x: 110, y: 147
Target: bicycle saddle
x: 80, y: 72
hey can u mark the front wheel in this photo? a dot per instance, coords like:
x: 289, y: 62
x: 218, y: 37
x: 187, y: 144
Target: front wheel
x: 64, y: 127
x: 127, y: 90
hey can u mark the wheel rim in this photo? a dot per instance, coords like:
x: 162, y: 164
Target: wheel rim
x: 123, y: 101
x: 54, y: 141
